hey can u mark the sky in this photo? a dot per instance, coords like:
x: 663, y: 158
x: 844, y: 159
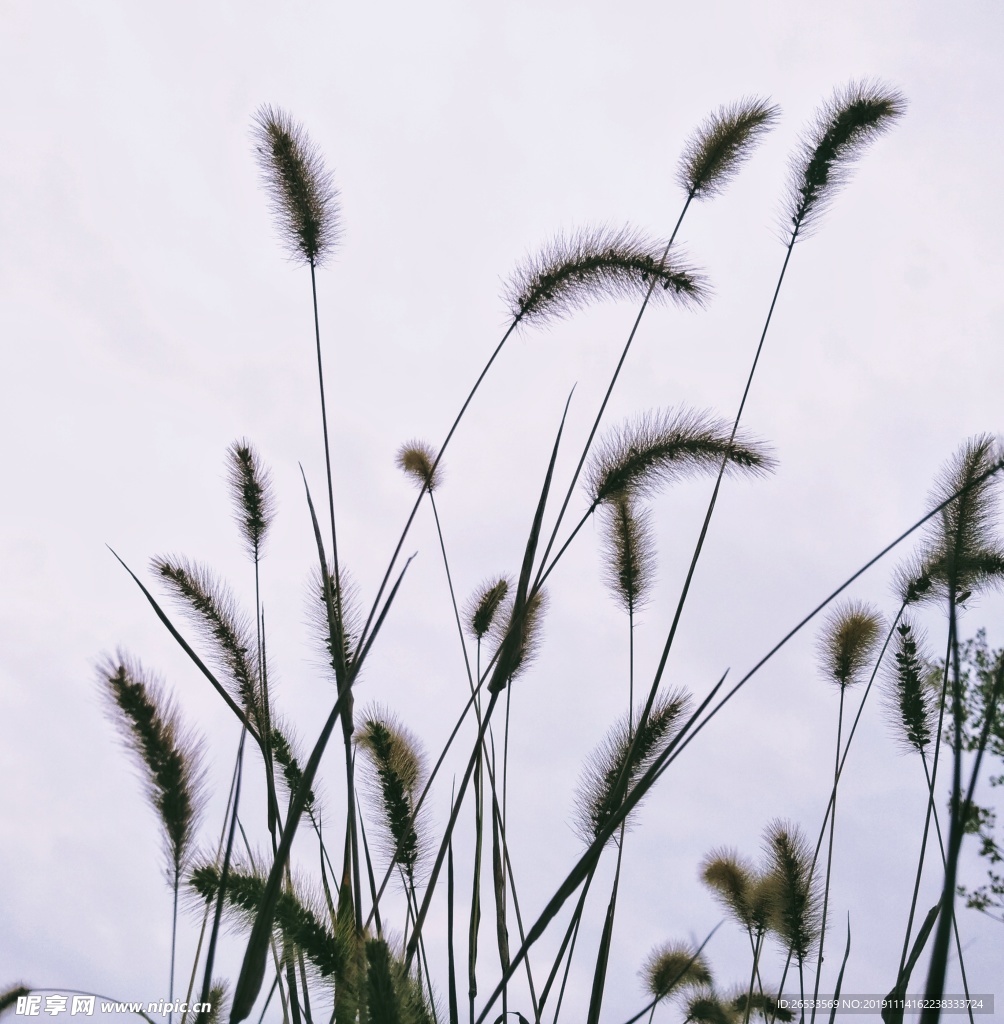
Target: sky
x: 150, y: 317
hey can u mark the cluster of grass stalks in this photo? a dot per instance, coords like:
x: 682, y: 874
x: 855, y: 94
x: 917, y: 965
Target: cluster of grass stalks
x: 322, y: 937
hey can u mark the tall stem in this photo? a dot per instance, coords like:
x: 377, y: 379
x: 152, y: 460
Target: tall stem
x: 829, y: 854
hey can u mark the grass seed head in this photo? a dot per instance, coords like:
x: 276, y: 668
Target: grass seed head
x: 629, y: 565
x: 603, y: 263
x: 418, y: 460
x: 483, y: 604
x: 906, y: 693
x: 169, y: 756
x: 799, y: 914
x: 843, y: 128
x: 848, y: 642
x: 252, y: 494
x: 620, y: 756
x: 674, y: 966
x: 962, y: 550
x: 300, y: 189
x: 642, y: 455
x: 398, y: 775
x: 731, y: 879
x: 722, y: 142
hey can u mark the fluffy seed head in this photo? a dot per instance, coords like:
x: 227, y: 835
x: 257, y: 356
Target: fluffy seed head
x: 907, y: 696
x: 300, y: 191
x: 529, y: 630
x: 629, y: 565
x: 399, y: 772
x: 418, y: 460
x: 252, y: 494
x: 674, y: 966
x: 168, y: 755
x: 656, y: 448
x: 798, y: 919
x: 481, y: 607
x: 847, y: 643
x: 213, y: 608
x: 620, y: 757
x: 731, y: 879
x: 962, y: 550
x: 843, y: 127
x: 602, y: 263
x: 714, y: 153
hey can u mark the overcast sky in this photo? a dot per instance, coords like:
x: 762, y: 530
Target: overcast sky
x: 149, y: 318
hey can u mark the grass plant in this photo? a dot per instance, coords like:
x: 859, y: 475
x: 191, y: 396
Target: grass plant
x: 319, y: 921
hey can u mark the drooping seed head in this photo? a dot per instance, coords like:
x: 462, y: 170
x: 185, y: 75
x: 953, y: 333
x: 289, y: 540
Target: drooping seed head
x: 169, y: 757
x: 662, y: 446
x: 300, y: 189
x: 418, y: 460
x: 573, y: 271
x: 211, y: 605
x: 842, y: 129
x: 715, y: 152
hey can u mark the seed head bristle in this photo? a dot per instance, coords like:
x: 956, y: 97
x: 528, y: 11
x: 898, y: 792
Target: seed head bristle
x: 624, y: 754
x: 713, y: 155
x: 168, y: 755
x: 399, y: 769
x: 848, y: 642
x: 213, y: 608
x: 602, y: 263
x: 674, y: 966
x: 300, y: 190
x: 418, y: 460
x: 799, y: 915
x: 906, y: 693
x: 661, y: 446
x: 629, y: 567
x: 252, y: 494
x: 483, y: 604
x: 843, y: 127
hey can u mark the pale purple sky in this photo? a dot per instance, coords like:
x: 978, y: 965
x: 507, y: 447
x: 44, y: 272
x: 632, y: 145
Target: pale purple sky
x: 149, y: 318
